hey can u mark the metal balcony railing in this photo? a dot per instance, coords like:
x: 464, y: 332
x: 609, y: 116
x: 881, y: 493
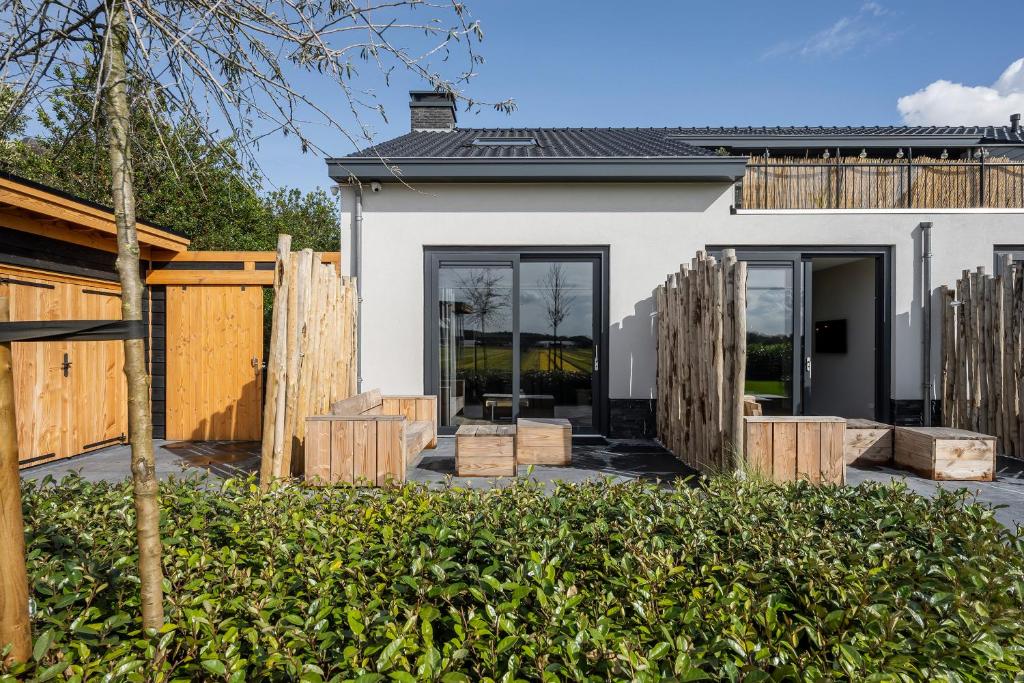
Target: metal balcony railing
x: 855, y: 183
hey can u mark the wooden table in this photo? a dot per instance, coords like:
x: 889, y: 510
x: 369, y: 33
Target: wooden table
x: 543, y: 441
x: 528, y: 403
x: 485, y: 451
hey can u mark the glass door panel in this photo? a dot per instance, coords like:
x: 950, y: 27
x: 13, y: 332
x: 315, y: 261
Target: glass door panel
x: 556, y: 338
x: 770, y: 336
x: 475, y: 343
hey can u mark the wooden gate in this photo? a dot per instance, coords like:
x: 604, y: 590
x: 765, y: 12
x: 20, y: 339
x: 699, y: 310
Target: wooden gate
x: 71, y: 396
x: 214, y: 362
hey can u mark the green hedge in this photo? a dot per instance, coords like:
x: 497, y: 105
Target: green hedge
x: 735, y: 581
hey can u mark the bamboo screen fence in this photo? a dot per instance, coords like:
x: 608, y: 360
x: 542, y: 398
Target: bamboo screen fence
x: 982, y: 325
x: 855, y: 183
x: 702, y: 351
x: 311, y: 362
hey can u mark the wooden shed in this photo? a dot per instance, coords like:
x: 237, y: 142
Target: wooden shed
x: 204, y: 311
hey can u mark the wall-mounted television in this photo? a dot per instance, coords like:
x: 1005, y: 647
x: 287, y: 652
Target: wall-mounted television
x: 830, y: 336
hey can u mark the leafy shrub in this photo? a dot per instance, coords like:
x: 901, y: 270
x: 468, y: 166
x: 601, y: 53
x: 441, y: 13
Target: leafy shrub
x: 735, y: 581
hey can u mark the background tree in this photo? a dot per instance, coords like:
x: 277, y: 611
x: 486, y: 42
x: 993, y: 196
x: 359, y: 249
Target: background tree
x: 558, y: 302
x: 200, y: 60
x: 487, y: 296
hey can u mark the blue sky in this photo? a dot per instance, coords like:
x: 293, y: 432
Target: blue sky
x: 664, y: 63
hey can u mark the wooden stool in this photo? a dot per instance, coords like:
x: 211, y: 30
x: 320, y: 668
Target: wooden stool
x: 485, y: 451
x: 543, y: 441
x: 868, y: 442
x: 944, y: 453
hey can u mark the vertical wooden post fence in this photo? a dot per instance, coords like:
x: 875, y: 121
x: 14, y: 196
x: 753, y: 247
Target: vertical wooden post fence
x: 982, y: 322
x: 311, y: 363
x: 702, y: 356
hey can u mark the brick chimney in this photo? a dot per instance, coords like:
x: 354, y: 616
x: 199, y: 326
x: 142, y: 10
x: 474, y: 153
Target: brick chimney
x: 431, y: 110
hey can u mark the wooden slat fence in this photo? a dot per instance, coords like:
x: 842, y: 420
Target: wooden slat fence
x: 311, y: 362
x: 702, y: 350
x: 982, y: 322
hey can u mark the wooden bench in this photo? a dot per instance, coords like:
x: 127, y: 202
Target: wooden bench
x: 868, y: 442
x: 944, y: 453
x: 787, y: 448
x: 543, y: 441
x: 369, y: 438
x: 485, y: 451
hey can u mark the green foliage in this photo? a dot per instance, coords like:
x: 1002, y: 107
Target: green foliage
x: 735, y: 581
x: 182, y: 181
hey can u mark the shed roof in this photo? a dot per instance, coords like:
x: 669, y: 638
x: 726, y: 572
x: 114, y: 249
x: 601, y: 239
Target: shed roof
x: 30, y: 206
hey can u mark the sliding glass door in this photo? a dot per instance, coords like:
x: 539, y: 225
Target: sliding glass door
x: 475, y: 350
x: 557, y: 367
x: 514, y: 334
x: 783, y: 340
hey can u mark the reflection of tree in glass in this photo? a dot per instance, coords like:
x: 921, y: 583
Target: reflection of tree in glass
x: 557, y: 305
x: 487, y: 297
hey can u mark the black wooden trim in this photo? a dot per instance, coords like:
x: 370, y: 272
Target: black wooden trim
x: 156, y: 314
x: 198, y: 265
x: 101, y: 292
x: 25, y: 283
x: 45, y: 253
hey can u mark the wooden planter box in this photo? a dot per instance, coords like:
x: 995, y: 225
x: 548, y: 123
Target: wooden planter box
x: 944, y: 453
x: 485, y: 451
x: 788, y: 448
x: 868, y: 442
x: 543, y: 441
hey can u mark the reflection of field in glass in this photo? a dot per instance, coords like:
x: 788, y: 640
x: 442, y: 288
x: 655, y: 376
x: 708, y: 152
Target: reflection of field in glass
x: 500, y: 358
x: 766, y: 387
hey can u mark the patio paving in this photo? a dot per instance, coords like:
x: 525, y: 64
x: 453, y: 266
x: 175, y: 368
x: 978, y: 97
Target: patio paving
x: 222, y: 459
x: 1007, y: 489
x: 621, y: 460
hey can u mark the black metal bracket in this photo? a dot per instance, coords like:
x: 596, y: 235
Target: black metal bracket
x: 25, y: 283
x: 121, y: 438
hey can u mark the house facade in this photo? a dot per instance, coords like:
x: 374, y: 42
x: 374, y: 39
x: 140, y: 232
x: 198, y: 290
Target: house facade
x: 512, y: 272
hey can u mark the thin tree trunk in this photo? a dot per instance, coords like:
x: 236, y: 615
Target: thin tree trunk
x: 140, y: 419
x: 14, y: 621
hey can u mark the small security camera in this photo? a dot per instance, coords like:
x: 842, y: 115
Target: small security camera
x: 376, y: 187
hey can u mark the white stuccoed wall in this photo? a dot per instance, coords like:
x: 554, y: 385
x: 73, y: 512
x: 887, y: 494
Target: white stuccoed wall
x: 649, y: 229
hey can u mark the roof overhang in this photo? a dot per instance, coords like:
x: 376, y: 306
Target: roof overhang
x: 32, y: 207
x: 538, y: 169
x: 815, y: 141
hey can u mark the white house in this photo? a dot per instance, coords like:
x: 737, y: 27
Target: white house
x: 512, y: 271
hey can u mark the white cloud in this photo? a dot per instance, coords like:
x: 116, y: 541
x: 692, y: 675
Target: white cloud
x: 948, y: 103
x: 864, y: 28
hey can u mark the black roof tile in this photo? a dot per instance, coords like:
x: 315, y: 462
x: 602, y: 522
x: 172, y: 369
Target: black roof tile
x: 636, y: 142
x: 551, y: 143
x: 983, y: 133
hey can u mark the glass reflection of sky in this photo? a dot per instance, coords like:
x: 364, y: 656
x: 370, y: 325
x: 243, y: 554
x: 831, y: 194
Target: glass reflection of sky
x: 577, y: 290
x: 770, y: 301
